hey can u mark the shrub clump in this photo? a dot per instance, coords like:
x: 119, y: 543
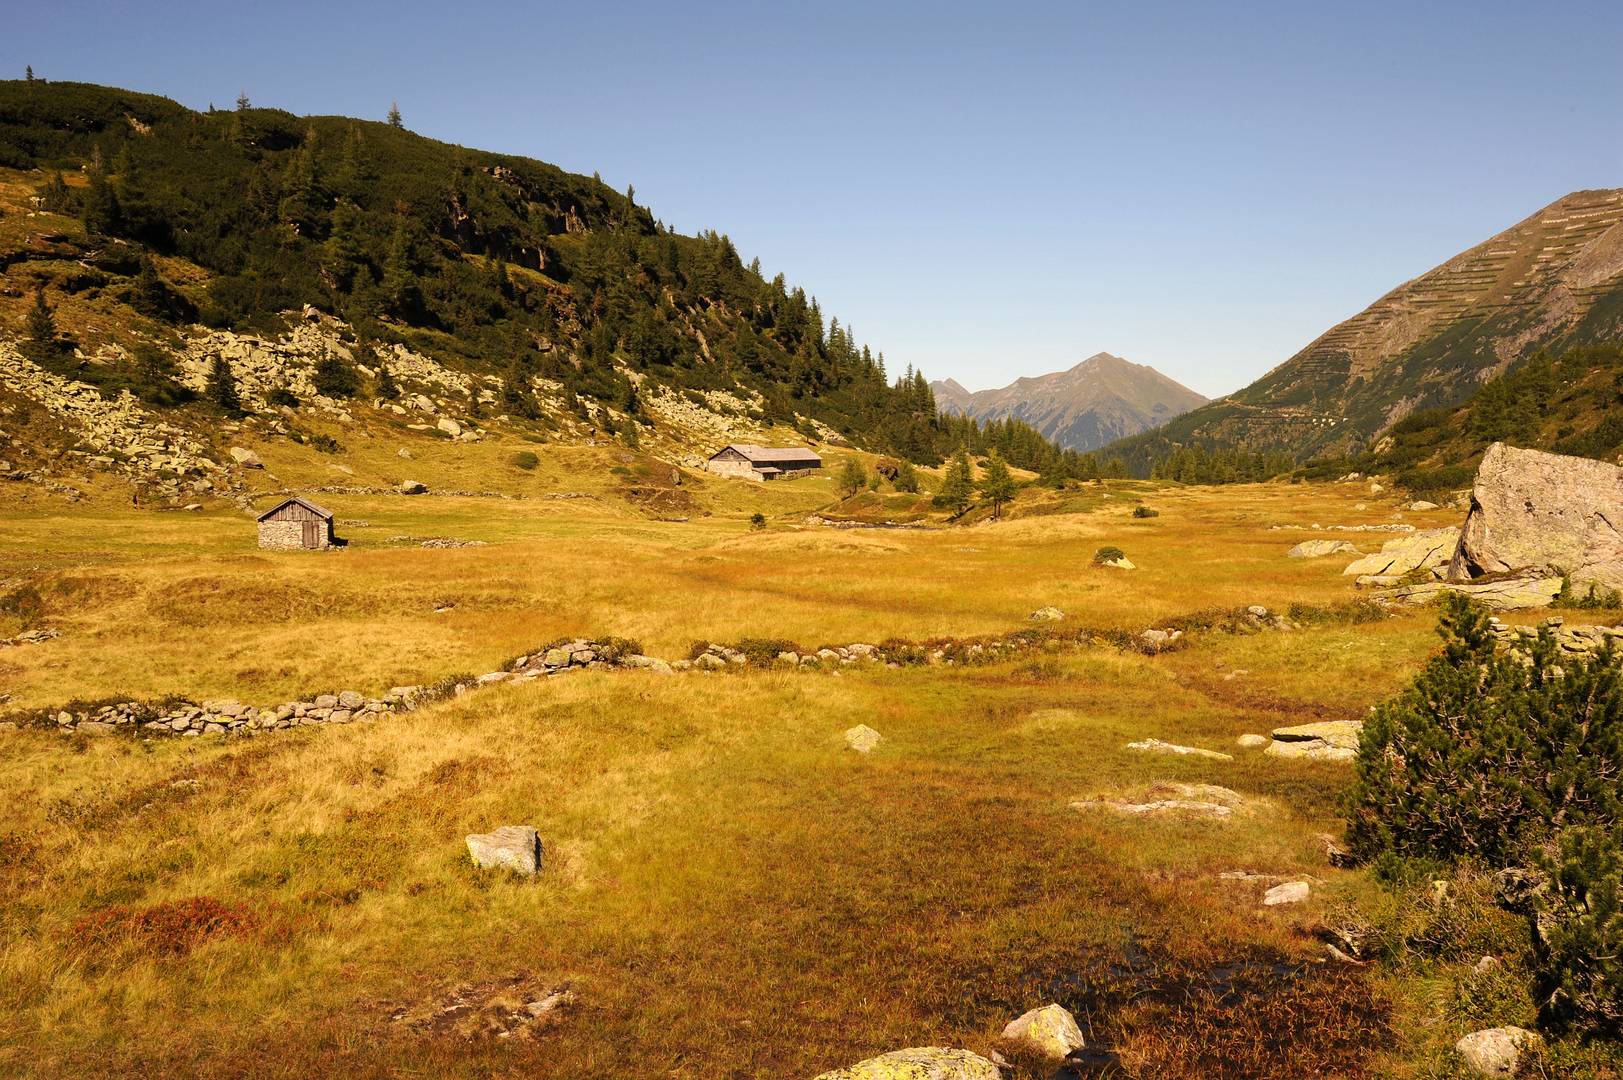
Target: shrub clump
x: 526, y: 460
x: 1142, y: 511
x: 1488, y: 753
x: 1107, y: 555
x: 1512, y: 761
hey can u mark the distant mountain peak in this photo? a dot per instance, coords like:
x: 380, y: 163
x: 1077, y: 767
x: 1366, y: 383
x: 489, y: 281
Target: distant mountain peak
x: 1096, y: 401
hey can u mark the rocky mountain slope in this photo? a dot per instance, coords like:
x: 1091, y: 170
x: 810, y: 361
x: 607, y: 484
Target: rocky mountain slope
x: 1102, y: 399
x: 1552, y: 281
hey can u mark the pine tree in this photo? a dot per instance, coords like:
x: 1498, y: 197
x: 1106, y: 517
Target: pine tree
x: 221, y: 388
x: 29, y: 74
x: 42, y: 324
x: 148, y: 293
x: 394, y: 115
x: 958, y: 484
x: 907, y: 478
x: 243, y: 104
x: 997, y: 484
x: 387, y: 388
x: 100, y: 212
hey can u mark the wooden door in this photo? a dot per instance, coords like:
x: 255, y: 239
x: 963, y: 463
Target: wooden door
x: 310, y: 536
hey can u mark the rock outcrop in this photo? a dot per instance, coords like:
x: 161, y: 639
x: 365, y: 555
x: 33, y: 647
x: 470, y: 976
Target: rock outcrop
x: 1550, y: 512
x: 919, y: 1063
x: 1330, y: 740
x: 1314, y: 549
x: 1428, y: 550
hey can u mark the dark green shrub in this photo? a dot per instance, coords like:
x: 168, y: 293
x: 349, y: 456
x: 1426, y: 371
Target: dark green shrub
x: 1145, y: 512
x: 1579, y: 932
x: 336, y: 378
x: 282, y: 396
x: 1485, y: 754
x: 326, y: 444
x: 757, y: 521
x: 1108, y: 554
x: 526, y: 460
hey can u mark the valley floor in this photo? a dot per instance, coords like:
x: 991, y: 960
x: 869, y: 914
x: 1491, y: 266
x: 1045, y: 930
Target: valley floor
x: 728, y: 890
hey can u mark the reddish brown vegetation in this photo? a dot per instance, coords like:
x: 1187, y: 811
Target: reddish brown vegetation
x: 171, y: 929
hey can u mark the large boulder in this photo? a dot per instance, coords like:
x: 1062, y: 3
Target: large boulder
x: 1427, y: 549
x: 1549, y: 511
x: 919, y: 1063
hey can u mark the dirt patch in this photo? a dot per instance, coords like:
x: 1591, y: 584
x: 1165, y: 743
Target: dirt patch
x: 520, y: 1006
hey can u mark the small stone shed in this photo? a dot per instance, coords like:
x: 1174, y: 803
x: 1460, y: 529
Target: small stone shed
x: 297, y: 523
x: 763, y: 462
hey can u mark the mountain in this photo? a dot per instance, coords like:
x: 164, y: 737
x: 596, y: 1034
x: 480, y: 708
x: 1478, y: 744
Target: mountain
x: 1102, y: 399
x: 1553, y: 281
x: 1566, y: 403
x: 551, y: 304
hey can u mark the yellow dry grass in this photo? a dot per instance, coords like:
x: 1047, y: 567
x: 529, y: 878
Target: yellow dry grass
x: 731, y: 892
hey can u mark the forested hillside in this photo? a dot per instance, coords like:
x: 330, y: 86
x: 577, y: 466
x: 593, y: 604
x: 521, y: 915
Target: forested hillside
x: 1568, y: 403
x: 492, y: 263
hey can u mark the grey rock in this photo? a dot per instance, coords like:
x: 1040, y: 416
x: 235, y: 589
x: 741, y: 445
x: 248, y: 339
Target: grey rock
x: 349, y: 699
x: 514, y: 847
x: 1496, y: 1051
x: 1532, y: 509
x: 412, y: 487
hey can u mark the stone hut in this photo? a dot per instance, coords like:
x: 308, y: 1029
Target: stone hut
x: 297, y: 523
x: 763, y: 462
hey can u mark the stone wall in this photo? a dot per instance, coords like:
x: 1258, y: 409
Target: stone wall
x: 738, y: 468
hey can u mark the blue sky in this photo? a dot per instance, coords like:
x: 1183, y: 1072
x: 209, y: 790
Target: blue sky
x: 983, y: 191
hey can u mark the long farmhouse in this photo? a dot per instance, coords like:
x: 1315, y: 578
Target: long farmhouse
x: 763, y: 462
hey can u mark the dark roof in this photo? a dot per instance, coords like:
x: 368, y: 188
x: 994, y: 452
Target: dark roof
x: 775, y: 454
x: 306, y: 503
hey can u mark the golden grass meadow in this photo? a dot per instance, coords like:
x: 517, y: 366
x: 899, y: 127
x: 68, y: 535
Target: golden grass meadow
x: 728, y: 891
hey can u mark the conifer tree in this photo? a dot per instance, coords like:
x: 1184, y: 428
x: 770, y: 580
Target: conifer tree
x: 243, y: 104
x: 387, y: 388
x: 221, y: 388
x: 907, y: 478
x: 394, y: 115
x: 958, y: 484
x: 997, y: 484
x: 42, y: 324
x: 100, y: 212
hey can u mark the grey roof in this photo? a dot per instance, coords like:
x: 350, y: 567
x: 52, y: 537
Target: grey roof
x: 306, y: 503
x: 774, y: 453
